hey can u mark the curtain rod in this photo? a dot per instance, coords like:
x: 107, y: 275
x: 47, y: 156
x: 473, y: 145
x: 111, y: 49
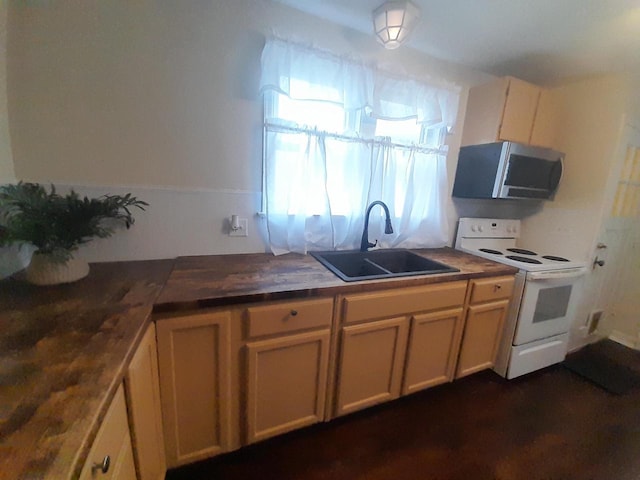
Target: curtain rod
x: 382, y: 143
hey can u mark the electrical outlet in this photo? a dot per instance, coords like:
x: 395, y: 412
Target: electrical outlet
x: 242, y: 230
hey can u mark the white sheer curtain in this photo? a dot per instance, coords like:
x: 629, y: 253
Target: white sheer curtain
x: 325, y: 159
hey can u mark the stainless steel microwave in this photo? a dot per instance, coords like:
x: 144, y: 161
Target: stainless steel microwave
x: 507, y: 170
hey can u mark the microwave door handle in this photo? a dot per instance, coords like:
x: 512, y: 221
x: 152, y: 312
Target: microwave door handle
x: 557, y: 275
x: 556, y: 175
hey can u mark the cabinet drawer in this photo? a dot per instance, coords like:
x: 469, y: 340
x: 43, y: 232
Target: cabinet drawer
x: 289, y: 317
x: 489, y: 289
x: 390, y: 303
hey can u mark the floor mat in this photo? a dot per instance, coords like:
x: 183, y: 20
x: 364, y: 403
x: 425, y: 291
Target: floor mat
x: 595, y: 365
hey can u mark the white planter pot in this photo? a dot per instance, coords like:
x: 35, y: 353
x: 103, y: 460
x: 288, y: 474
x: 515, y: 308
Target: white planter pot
x: 46, y: 270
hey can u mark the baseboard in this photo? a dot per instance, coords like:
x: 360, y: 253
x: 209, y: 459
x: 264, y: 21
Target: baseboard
x: 581, y: 337
x: 623, y: 339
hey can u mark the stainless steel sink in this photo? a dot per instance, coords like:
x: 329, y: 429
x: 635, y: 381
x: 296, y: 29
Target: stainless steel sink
x: 352, y: 265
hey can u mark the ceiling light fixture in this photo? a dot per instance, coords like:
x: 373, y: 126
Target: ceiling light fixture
x: 393, y: 21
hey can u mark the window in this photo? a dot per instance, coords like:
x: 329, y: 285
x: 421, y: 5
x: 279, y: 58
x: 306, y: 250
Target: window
x: 339, y: 135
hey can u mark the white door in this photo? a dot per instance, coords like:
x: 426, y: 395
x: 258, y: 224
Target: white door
x: 619, y: 246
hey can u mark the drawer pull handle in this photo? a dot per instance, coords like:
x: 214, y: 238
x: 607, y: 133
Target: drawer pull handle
x: 497, y: 287
x: 104, y: 466
x: 294, y: 313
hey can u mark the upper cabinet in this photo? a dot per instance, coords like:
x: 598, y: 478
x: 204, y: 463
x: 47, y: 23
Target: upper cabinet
x: 509, y: 109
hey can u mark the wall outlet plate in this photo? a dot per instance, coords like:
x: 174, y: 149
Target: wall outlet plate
x: 242, y: 230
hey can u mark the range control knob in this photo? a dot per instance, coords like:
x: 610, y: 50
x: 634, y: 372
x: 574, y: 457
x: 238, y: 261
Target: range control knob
x: 480, y: 228
x: 474, y: 228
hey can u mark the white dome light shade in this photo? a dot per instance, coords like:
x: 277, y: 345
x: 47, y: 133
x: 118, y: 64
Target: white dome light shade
x: 393, y: 21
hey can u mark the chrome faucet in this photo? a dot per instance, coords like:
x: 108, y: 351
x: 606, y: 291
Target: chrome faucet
x: 365, y: 244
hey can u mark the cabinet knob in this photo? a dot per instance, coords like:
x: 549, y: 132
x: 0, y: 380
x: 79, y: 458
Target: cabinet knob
x: 497, y: 287
x: 294, y: 313
x: 104, y: 466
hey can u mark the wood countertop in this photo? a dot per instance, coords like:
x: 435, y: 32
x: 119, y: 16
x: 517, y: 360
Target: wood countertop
x: 209, y: 281
x: 63, y: 352
x: 65, y: 349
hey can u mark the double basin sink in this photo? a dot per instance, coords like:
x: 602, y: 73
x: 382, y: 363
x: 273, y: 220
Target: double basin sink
x: 352, y: 266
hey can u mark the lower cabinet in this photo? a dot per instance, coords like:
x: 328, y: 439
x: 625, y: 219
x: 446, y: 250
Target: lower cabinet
x: 194, y: 361
x: 433, y: 349
x: 286, y: 362
x: 374, y: 364
x: 111, y: 456
x: 371, y: 361
x: 286, y: 383
x: 481, y: 337
x: 235, y: 376
x: 145, y: 414
x: 489, y: 304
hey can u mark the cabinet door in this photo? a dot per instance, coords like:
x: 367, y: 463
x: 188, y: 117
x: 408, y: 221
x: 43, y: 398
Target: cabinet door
x: 287, y: 380
x: 482, y: 333
x: 194, y: 361
x: 519, y: 111
x: 125, y: 467
x: 372, y: 357
x: 485, y: 108
x: 112, y: 446
x: 143, y: 397
x: 433, y: 348
x: 545, y: 123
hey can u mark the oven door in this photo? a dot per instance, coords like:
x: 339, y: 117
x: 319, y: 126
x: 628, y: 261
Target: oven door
x: 547, y: 304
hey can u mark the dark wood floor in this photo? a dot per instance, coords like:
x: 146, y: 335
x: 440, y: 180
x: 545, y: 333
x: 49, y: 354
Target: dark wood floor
x: 549, y: 425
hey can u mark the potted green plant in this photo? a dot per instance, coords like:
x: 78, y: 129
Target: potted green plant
x: 56, y: 225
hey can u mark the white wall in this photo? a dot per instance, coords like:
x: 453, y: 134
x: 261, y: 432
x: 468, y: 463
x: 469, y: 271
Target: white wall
x: 6, y: 159
x: 590, y: 118
x: 11, y: 259
x: 591, y: 113
x: 160, y: 99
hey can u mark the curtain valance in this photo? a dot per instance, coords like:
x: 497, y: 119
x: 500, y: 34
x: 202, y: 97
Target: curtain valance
x: 305, y: 73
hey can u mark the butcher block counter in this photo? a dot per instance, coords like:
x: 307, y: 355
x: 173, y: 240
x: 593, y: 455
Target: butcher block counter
x: 63, y: 352
x: 64, y: 349
x: 208, y: 281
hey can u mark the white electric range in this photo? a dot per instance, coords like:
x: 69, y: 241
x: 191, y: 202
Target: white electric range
x: 536, y: 328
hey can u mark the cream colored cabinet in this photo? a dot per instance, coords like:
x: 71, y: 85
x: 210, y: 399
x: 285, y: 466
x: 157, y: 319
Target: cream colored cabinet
x: 231, y: 377
x: 433, y: 349
x: 509, y: 109
x: 373, y: 343
x: 143, y: 399
x: 545, y: 125
x: 111, y: 455
x: 488, y: 306
x: 286, y: 375
x: 371, y: 361
x: 194, y: 364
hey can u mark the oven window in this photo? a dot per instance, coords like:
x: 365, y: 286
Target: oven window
x: 552, y: 303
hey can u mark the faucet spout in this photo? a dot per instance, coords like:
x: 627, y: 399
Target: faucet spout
x: 388, y: 228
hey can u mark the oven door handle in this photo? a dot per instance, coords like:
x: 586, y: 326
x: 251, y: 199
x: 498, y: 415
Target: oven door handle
x: 557, y: 274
